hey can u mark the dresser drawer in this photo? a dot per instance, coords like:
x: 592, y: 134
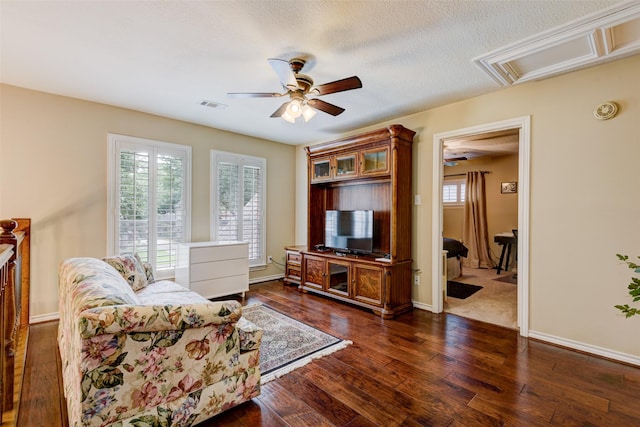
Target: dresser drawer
x: 221, y: 287
x: 219, y: 252
x: 214, y: 269
x: 219, y: 269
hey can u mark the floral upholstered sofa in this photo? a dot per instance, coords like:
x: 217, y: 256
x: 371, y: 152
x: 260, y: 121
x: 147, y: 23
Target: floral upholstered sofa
x: 144, y: 353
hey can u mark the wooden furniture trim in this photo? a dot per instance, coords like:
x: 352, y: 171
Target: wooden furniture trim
x: 388, y: 193
x: 6, y: 254
x: 14, y: 303
x: 381, y: 135
x: 293, y: 265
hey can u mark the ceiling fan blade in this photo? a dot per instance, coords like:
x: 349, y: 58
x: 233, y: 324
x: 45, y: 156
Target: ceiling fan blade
x: 283, y: 70
x: 280, y: 111
x: 338, y: 86
x: 318, y: 104
x: 254, y: 95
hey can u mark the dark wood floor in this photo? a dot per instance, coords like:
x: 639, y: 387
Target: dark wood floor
x: 420, y: 369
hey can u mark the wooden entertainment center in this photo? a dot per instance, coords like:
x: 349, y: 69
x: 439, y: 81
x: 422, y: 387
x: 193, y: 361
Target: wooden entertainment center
x: 370, y: 171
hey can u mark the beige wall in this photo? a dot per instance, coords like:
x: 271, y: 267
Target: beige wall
x: 583, y: 177
x: 502, y: 209
x: 54, y: 170
x: 584, y: 174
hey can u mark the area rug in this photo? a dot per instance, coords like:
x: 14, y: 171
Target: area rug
x: 461, y: 290
x: 288, y: 344
x: 512, y: 278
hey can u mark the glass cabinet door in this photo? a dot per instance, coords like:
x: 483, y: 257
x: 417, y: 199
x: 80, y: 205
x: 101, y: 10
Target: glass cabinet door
x: 346, y: 166
x: 338, y: 277
x: 375, y: 161
x: 320, y: 169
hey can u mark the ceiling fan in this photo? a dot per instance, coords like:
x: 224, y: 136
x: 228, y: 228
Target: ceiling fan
x: 453, y: 161
x: 298, y: 86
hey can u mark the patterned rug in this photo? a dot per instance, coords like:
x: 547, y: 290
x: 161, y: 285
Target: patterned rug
x: 286, y: 343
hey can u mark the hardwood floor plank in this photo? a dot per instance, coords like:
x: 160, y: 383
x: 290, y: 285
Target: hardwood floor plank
x: 249, y: 414
x: 41, y: 401
x: 294, y: 411
x: 419, y: 369
x: 514, y: 410
x: 331, y: 408
x: 565, y: 396
x: 377, y: 412
x: 429, y: 406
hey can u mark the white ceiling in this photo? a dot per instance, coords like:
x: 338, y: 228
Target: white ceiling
x: 165, y: 57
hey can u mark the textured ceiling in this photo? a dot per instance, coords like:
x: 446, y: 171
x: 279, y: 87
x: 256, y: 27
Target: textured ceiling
x: 166, y: 57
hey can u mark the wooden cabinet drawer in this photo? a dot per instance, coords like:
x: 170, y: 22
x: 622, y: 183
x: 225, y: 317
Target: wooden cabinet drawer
x: 293, y: 272
x: 294, y: 257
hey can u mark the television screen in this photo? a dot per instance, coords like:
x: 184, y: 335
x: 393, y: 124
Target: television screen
x: 350, y: 231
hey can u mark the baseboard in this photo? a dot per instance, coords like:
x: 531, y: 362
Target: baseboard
x: 587, y: 348
x: 422, y: 306
x: 571, y: 344
x: 41, y: 318
x: 266, y: 278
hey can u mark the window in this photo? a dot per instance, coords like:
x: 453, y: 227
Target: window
x: 453, y: 192
x: 149, y: 200
x: 238, y: 201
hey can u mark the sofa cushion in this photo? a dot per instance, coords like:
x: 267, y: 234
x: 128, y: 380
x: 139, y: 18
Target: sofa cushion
x: 161, y: 287
x: 148, y: 269
x: 130, y: 267
x: 167, y: 292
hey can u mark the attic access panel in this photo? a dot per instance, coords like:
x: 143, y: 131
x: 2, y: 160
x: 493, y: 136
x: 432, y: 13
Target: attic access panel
x: 611, y: 34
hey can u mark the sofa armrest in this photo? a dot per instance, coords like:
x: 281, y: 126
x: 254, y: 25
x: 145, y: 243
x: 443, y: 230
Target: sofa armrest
x: 250, y: 335
x: 147, y: 318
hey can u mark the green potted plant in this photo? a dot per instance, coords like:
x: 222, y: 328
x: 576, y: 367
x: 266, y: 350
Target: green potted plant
x: 634, y: 288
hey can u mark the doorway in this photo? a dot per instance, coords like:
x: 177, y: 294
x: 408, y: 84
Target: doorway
x: 522, y: 126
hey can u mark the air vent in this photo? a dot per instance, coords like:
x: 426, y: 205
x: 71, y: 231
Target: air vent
x: 211, y: 104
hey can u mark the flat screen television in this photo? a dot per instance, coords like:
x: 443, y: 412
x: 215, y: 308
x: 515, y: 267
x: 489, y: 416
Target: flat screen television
x: 349, y: 231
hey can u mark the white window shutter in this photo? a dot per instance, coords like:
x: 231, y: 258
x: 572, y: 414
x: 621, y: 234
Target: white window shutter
x: 149, y: 200
x: 238, y: 195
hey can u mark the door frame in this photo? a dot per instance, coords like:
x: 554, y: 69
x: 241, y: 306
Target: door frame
x: 523, y: 124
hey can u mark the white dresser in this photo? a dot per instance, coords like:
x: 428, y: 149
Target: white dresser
x: 214, y: 269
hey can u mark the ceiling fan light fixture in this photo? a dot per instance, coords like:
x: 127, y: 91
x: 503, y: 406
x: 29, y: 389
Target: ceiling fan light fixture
x: 294, y: 109
x: 286, y: 116
x: 308, y: 113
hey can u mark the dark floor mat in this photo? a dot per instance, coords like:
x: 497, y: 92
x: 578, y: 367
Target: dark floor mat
x: 461, y: 290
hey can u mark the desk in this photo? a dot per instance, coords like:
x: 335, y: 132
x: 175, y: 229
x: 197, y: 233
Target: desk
x: 506, y: 240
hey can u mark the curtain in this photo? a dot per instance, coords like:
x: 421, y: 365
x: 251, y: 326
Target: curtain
x: 474, y: 231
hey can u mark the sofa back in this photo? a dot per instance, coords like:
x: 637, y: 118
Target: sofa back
x: 93, y: 283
